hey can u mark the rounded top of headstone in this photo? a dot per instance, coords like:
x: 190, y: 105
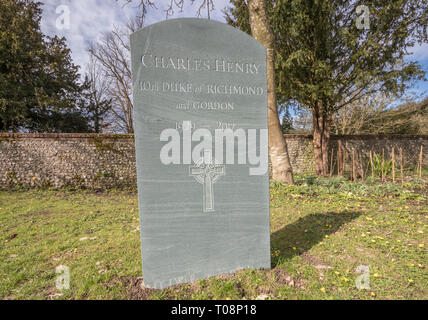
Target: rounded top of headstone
x: 204, y: 27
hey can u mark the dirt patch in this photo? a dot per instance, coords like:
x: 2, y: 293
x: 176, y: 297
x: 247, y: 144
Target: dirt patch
x: 136, y: 291
x: 282, y: 277
x: 366, y: 253
x: 317, y: 263
x: 52, y: 293
x: 347, y: 257
x: 134, y: 287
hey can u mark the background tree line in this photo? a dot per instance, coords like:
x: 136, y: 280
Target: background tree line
x: 372, y: 114
x: 326, y: 75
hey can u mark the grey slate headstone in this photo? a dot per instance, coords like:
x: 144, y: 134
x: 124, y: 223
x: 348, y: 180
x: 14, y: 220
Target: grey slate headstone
x: 190, y: 74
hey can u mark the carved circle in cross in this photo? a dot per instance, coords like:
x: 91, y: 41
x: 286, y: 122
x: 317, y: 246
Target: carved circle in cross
x: 207, y: 170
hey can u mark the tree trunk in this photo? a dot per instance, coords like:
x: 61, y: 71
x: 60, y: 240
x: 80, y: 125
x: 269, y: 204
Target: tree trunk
x: 340, y: 157
x: 325, y: 139
x: 321, y: 138
x: 261, y: 30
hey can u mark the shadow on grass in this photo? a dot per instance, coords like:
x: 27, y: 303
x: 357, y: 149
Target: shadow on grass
x: 298, y: 237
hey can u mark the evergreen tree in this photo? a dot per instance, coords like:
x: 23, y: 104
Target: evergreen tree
x: 287, y: 121
x: 39, y: 84
x: 326, y: 58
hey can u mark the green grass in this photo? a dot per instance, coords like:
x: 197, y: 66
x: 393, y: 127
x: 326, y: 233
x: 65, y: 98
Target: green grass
x: 322, y: 230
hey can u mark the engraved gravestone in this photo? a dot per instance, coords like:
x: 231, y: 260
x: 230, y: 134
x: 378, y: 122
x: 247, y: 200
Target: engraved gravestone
x: 200, y: 119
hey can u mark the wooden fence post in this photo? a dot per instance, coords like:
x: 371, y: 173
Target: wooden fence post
x: 401, y: 166
x: 371, y: 163
x: 354, y: 169
x: 339, y: 158
x: 361, y: 166
x: 393, y: 164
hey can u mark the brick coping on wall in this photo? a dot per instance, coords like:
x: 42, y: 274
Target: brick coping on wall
x: 131, y: 136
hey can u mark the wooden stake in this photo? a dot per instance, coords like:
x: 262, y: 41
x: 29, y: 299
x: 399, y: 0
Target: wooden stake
x: 371, y: 164
x: 401, y: 166
x: 331, y: 162
x: 393, y: 164
x: 339, y: 158
x: 337, y: 166
x: 354, y: 173
x: 366, y: 171
x: 338, y: 161
x: 361, y: 166
x: 344, y: 158
x: 420, y: 162
x: 383, y: 164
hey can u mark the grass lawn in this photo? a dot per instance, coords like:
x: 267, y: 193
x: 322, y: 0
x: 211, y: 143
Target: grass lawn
x: 322, y: 230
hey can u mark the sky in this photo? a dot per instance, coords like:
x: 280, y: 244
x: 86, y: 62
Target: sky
x: 89, y: 19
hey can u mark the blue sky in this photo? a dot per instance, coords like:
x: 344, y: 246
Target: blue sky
x: 90, y: 18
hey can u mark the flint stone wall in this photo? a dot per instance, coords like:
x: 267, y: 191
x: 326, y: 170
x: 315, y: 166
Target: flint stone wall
x: 301, y: 150
x: 105, y: 161
x: 94, y: 161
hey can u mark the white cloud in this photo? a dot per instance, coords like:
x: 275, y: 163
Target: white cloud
x: 89, y: 19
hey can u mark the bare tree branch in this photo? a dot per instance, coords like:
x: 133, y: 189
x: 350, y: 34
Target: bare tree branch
x: 144, y: 5
x: 172, y: 5
x: 208, y: 4
x: 113, y: 54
